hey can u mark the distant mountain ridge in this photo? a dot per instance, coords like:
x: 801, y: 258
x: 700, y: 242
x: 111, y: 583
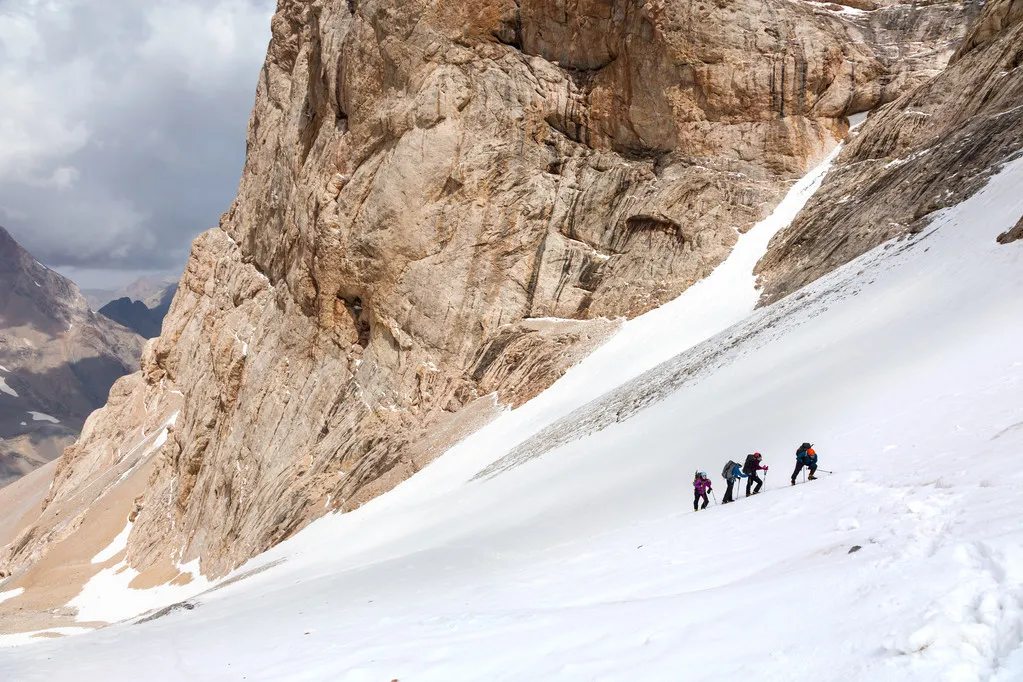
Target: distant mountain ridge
x: 148, y: 289
x: 58, y: 360
x: 145, y: 318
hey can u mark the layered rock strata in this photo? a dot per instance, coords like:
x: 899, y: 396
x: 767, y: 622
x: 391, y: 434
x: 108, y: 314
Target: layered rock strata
x: 927, y: 150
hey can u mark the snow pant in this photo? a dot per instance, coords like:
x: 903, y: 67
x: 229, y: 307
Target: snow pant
x: 754, y: 478
x: 799, y: 467
x: 728, y: 492
x: 696, y: 500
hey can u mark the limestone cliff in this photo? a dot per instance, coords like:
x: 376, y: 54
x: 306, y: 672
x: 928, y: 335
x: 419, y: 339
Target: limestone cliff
x: 929, y: 149
x: 445, y: 200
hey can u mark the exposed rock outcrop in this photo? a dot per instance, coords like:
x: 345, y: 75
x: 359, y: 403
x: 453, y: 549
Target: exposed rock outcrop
x: 57, y: 361
x: 929, y: 149
x: 1013, y: 235
x: 445, y: 200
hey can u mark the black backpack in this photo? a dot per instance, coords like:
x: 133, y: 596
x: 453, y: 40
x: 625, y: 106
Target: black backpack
x: 750, y: 465
x: 727, y: 471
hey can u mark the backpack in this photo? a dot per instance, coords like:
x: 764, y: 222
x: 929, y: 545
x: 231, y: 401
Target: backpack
x: 727, y: 471
x: 801, y: 452
x: 750, y: 465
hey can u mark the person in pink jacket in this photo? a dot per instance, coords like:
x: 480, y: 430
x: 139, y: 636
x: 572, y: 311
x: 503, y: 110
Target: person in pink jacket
x: 701, y: 486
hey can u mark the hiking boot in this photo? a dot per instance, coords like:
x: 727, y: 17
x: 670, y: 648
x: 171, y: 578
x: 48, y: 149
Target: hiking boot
x: 811, y: 477
x: 793, y: 482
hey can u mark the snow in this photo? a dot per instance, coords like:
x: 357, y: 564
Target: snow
x: 4, y: 388
x: 116, y: 546
x: 843, y: 11
x: 580, y: 559
x: 4, y: 369
x: 41, y: 417
x: 38, y: 636
x: 245, y: 345
x: 107, y: 596
x: 856, y: 120
x: 10, y: 594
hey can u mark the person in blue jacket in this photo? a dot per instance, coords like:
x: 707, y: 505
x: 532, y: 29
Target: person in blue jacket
x: 732, y: 473
x: 806, y: 456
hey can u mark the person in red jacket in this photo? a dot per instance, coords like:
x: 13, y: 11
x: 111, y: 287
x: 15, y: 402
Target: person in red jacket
x: 750, y: 468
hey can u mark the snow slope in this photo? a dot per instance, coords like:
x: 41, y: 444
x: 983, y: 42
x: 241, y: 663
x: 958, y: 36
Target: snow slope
x: 578, y: 557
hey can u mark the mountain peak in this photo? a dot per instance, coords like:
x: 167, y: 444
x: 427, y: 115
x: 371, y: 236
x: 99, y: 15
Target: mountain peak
x: 60, y: 359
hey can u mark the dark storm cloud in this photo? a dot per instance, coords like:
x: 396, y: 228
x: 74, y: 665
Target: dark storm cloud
x: 122, y: 124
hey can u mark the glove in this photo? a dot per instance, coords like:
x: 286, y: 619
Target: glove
x: 765, y: 468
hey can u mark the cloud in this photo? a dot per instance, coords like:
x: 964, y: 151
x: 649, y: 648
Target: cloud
x: 122, y: 132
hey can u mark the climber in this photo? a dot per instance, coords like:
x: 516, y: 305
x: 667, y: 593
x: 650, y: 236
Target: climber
x: 750, y: 468
x: 731, y: 472
x: 701, y: 486
x: 805, y: 456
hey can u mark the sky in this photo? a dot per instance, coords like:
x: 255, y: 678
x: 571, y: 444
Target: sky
x: 122, y: 127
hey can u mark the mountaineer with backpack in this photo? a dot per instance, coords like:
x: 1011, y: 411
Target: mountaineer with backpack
x: 701, y: 486
x: 750, y: 468
x: 731, y: 472
x: 805, y: 457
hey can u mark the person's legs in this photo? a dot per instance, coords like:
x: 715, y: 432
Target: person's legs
x: 813, y: 470
x: 705, y: 501
x: 728, y: 492
x: 755, y: 478
x: 696, y: 500
x: 795, y: 472
x: 749, y: 484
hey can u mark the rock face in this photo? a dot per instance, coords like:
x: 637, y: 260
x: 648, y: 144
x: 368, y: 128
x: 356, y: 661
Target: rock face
x: 929, y: 149
x: 445, y: 200
x: 57, y: 361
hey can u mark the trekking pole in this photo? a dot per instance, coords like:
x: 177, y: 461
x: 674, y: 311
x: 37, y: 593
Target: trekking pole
x: 714, y: 496
x: 826, y: 471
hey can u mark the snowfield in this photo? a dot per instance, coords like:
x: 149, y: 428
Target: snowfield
x: 559, y: 543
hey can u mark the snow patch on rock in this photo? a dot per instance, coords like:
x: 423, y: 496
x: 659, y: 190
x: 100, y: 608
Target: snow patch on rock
x: 116, y: 546
x: 108, y: 598
x: 4, y: 388
x: 10, y: 594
